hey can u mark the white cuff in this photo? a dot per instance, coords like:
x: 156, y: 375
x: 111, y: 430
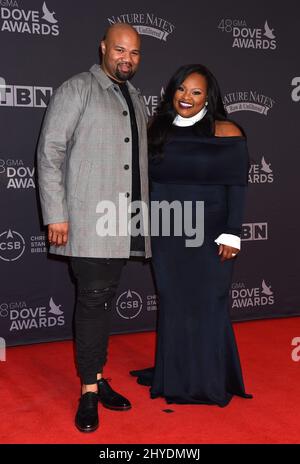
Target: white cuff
x: 230, y: 240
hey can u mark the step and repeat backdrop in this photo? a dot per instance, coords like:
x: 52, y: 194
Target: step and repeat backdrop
x: 252, y: 47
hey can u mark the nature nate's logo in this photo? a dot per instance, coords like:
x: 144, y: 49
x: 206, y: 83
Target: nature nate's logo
x: 248, y: 100
x: 35, y: 22
x: 146, y: 24
x: 243, y: 36
x: 243, y: 297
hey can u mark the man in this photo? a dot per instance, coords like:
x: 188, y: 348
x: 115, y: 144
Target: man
x: 93, y: 149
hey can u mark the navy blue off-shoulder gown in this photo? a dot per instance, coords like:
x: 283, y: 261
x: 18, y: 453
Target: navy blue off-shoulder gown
x: 197, y: 359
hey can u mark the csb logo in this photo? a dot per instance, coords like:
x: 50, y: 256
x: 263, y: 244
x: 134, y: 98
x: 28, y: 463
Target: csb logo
x: 129, y: 304
x: 12, y: 245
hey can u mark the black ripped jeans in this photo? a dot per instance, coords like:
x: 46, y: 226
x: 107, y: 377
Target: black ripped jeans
x: 97, y: 281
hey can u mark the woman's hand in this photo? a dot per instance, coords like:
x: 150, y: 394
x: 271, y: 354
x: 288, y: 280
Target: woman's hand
x: 227, y: 252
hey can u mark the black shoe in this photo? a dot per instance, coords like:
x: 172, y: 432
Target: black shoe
x: 111, y: 399
x: 86, y: 419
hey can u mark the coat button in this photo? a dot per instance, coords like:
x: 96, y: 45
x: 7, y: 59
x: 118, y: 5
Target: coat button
x: 125, y: 113
x: 116, y: 89
x: 126, y: 166
x: 126, y: 139
x: 127, y: 194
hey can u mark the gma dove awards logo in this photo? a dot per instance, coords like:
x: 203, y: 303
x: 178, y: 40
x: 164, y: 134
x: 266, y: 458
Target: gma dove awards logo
x: 261, y: 173
x: 146, y: 24
x: 243, y: 297
x: 18, y: 20
x: 17, y: 175
x: 152, y: 102
x: 23, y: 317
x: 243, y: 36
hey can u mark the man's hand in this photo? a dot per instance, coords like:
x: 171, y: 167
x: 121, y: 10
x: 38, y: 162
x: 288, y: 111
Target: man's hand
x: 227, y: 252
x: 58, y: 233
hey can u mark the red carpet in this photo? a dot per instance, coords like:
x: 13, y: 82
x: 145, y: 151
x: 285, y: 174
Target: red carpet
x: 39, y: 391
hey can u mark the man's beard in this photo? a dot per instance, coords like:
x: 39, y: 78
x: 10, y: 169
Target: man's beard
x: 124, y: 76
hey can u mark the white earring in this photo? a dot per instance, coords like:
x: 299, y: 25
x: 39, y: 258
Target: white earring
x: 206, y: 103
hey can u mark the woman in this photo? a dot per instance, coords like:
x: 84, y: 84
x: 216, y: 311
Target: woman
x: 196, y: 154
